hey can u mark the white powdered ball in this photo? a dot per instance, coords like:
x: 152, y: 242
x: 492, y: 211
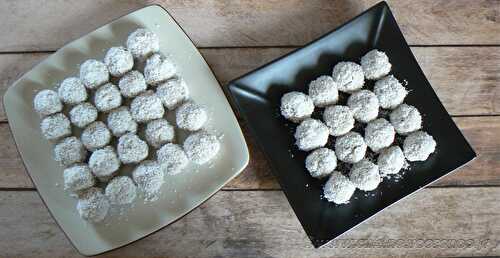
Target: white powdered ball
x: 93, y: 73
x: 158, y: 69
x: 405, y: 119
x: 323, y: 91
x: 104, y: 162
x: 146, y: 107
x: 172, y: 158
x: 77, y: 178
x: 72, y: 91
x: 348, y: 76
x: 379, y: 134
x: 83, y: 114
x: 149, y: 178
x: 391, y: 160
x: 375, y: 64
x: 92, y: 205
x: 350, y: 147
x: 107, y: 97
x: 120, y: 122
x: 70, y: 150
x: 95, y: 136
x: 365, y: 175
x: 55, y: 126
x: 191, y: 116
x: 132, y: 83
x: 364, y: 105
x: 142, y: 43
x: 311, y: 134
x: 173, y: 93
x: 338, y: 189
x: 390, y: 92
x: 418, y: 146
x: 159, y: 132
x: 121, y: 190
x: 296, y: 106
x: 119, y: 61
x: 201, y: 147
x: 321, y: 162
x: 131, y: 149
x: 47, y: 102
x: 339, y: 119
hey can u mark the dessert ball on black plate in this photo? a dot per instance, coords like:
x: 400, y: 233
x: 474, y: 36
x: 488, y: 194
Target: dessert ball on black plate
x: 311, y: 134
x: 296, y: 106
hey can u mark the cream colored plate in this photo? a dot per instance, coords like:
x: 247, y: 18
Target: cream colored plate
x: 181, y: 193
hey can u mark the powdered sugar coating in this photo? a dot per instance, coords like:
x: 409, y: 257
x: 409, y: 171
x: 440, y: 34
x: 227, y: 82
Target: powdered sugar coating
x: 191, y: 116
x: 83, y: 114
x: 365, y: 175
x: 375, y: 64
x: 339, y: 119
x: 350, y: 147
x: 142, y: 43
x: 107, y: 97
x: 72, y: 91
x: 405, y: 119
x: 201, y: 147
x: 364, y: 105
x: 172, y: 158
x: 158, y: 69
x: 338, y: 189
x: 149, y: 178
x: 55, y: 126
x: 131, y: 149
x: 323, y: 91
x: 418, y: 146
x: 70, y: 150
x: 46, y: 102
x: 159, y: 132
x: 96, y: 135
x: 92, y: 205
x: 77, y: 178
x: 390, y: 92
x: 379, y: 134
x: 93, y: 73
x: 173, y: 93
x: 348, y: 76
x: 118, y: 61
x: 321, y: 162
x: 132, y: 83
x: 121, y: 190
x: 391, y: 160
x: 104, y: 162
x: 145, y: 107
x: 296, y: 106
x: 311, y: 134
x: 120, y: 122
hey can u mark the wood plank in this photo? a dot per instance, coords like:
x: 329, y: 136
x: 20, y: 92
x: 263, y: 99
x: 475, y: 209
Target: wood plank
x: 30, y: 25
x: 261, y: 224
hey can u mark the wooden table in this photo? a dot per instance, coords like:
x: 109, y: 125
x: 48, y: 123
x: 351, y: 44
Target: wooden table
x: 457, y: 44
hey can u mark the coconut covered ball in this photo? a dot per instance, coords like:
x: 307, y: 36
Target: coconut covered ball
x: 92, y: 205
x: 94, y: 73
x: 172, y: 158
x: 173, y: 93
x: 145, y: 107
x: 95, y: 136
x: 78, y: 177
x: 149, y: 178
x: 191, y: 116
x: 323, y: 91
x: 70, y: 150
x: 375, y: 65
x: 55, y: 126
x: 391, y: 160
x: 321, y: 162
x: 405, y: 119
x: 118, y: 61
x: 338, y: 189
x: 72, y: 91
x: 348, y: 76
x: 83, y: 114
x: 132, y: 83
x: 158, y: 69
x: 159, y: 132
x: 364, y: 105
x: 120, y: 122
x: 339, y: 119
x: 350, y: 147
x: 296, y: 106
x: 131, y: 149
x: 104, y: 162
x: 390, y: 92
x: 121, y: 190
x: 107, y: 97
x: 201, y: 147
x: 418, y: 146
x: 47, y: 102
x: 379, y: 134
x: 142, y: 43
x: 365, y: 175
x: 311, y: 134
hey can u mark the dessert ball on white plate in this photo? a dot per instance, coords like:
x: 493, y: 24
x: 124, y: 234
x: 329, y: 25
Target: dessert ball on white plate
x: 142, y: 43
x: 321, y: 162
x: 78, y: 177
x: 94, y: 73
x: 120, y: 121
x: 379, y: 134
x: 348, y: 76
x: 191, y: 116
x: 95, y: 136
x: 104, y: 162
x: 391, y: 160
x: 146, y: 107
x: 296, y: 106
x: 350, y: 147
x: 159, y: 132
x: 159, y: 68
x: 149, y: 178
x: 92, y: 205
x: 339, y: 119
x: 323, y: 91
x: 405, y: 119
x: 364, y: 105
x: 365, y: 175
x: 55, y: 126
x: 132, y: 83
x: 173, y: 93
x: 375, y: 65
x: 47, y: 102
x: 338, y: 189
x: 72, y: 91
x: 390, y: 92
x: 131, y: 149
x: 121, y: 190
x: 311, y: 134
x: 172, y: 158
x: 201, y: 147
x: 418, y: 146
x: 83, y: 114
x: 70, y: 150
x: 107, y: 97
x: 119, y: 61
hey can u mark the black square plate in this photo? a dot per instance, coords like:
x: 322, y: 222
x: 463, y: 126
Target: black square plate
x: 257, y: 96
